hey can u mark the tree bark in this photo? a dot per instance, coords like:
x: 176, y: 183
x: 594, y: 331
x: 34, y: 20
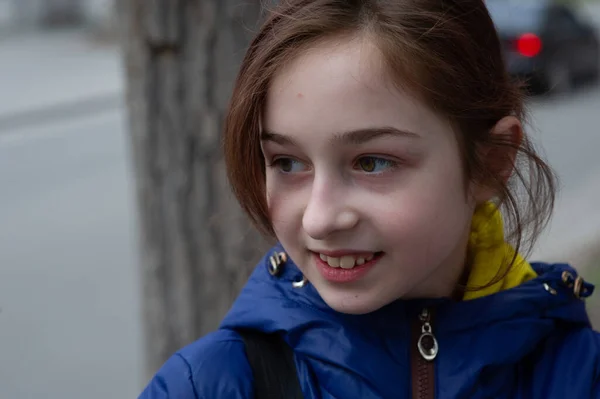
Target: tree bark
x: 181, y: 58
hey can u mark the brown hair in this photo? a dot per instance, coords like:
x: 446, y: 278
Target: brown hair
x: 445, y: 51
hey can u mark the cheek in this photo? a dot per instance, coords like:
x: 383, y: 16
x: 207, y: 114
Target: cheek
x: 424, y: 233
x: 428, y: 211
x: 284, y: 207
x: 277, y: 194
x: 274, y: 201
x: 270, y: 191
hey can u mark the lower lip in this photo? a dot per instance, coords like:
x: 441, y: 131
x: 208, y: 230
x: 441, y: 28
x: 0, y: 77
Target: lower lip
x: 340, y: 275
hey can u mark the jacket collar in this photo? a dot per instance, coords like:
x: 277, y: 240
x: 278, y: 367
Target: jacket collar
x: 368, y: 351
x: 271, y: 303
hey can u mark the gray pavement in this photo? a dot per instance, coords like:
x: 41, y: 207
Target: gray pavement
x: 69, y: 299
x: 69, y: 289
x: 568, y: 131
x: 62, y: 67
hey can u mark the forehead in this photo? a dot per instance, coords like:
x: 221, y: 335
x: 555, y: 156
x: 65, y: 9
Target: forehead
x: 341, y: 84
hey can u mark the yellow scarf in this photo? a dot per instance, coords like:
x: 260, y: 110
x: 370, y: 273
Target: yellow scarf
x: 491, y: 255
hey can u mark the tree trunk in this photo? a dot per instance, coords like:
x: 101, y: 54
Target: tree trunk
x: 197, y: 247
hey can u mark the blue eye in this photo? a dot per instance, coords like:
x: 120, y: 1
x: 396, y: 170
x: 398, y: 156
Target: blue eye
x: 372, y: 164
x: 288, y: 165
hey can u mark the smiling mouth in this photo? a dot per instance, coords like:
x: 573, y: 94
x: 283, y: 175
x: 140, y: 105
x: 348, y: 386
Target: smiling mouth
x: 349, y: 261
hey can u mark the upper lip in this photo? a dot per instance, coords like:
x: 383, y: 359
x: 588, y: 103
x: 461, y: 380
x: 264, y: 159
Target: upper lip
x: 343, y: 252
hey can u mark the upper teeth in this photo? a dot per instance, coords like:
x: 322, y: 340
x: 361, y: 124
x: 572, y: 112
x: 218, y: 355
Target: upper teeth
x: 346, y: 261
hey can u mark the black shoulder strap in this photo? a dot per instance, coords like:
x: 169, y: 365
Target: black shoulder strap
x: 272, y: 362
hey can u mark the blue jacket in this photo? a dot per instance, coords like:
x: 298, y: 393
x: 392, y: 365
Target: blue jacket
x: 530, y: 342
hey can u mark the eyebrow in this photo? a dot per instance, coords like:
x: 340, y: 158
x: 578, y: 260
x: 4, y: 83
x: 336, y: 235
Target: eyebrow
x: 356, y: 137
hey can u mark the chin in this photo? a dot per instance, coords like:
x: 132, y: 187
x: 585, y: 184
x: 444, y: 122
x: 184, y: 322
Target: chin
x: 353, y: 303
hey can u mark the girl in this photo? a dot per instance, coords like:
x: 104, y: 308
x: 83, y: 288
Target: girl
x: 377, y: 140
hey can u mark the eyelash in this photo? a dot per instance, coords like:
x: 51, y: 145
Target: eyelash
x: 276, y: 164
x: 391, y: 165
x: 277, y: 161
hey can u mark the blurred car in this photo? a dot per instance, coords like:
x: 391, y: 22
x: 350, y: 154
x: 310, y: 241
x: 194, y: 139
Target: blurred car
x: 547, y: 43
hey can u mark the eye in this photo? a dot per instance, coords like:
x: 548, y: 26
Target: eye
x: 288, y: 165
x: 371, y: 164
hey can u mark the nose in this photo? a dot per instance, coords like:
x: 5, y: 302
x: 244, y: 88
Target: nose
x: 328, y: 212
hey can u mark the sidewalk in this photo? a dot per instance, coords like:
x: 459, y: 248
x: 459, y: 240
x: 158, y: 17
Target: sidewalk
x: 43, y: 71
x: 575, y: 227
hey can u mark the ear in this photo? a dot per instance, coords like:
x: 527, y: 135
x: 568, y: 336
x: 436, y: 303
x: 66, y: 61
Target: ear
x: 500, y: 158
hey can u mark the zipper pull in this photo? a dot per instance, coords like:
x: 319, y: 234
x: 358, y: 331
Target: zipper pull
x: 427, y: 344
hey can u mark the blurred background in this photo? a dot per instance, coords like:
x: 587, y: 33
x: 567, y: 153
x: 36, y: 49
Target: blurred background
x: 70, y: 290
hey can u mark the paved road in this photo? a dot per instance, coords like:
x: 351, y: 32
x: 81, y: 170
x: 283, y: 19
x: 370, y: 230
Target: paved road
x: 568, y: 131
x: 69, y: 295
x: 68, y: 286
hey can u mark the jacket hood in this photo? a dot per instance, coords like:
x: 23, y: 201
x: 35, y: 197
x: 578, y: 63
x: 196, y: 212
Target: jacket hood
x: 500, y: 328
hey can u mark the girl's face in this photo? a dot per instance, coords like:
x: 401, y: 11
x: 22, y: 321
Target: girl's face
x: 365, y: 184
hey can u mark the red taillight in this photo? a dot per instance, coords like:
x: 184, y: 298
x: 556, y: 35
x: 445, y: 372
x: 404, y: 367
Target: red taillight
x: 529, y: 45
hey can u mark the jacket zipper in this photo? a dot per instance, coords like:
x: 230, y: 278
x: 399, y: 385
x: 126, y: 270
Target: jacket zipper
x: 424, y: 350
